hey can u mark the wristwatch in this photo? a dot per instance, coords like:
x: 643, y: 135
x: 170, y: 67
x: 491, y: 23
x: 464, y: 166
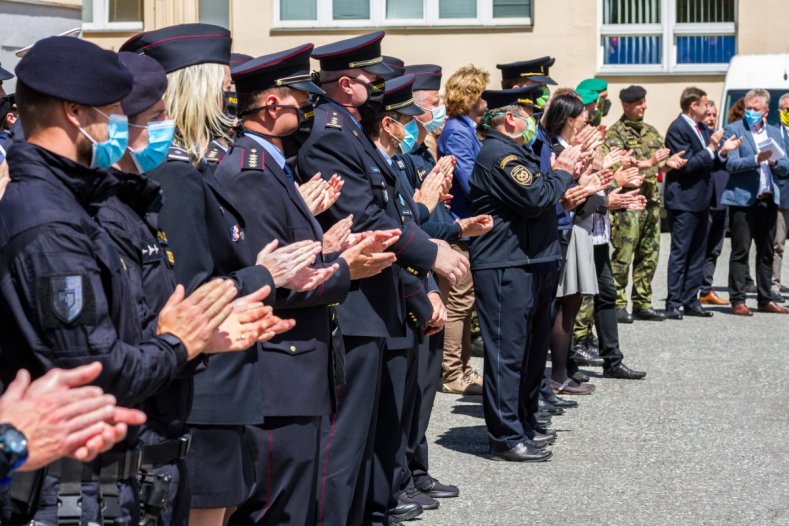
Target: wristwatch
x: 13, y: 449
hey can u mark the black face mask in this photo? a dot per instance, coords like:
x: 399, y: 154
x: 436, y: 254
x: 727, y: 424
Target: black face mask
x: 230, y: 103
x: 606, y: 106
x: 293, y: 142
x: 369, y: 110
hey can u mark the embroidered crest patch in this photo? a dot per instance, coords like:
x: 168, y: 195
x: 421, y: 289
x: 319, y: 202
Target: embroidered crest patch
x: 521, y: 175
x: 66, y: 297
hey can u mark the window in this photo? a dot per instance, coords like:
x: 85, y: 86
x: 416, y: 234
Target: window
x: 112, y: 15
x: 666, y: 36
x: 408, y: 13
x: 215, y: 12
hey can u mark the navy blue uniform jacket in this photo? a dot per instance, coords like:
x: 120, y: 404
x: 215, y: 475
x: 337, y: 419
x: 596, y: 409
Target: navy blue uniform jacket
x: 294, y: 367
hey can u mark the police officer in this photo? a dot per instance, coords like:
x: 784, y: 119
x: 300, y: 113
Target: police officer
x: 68, y: 295
x: 515, y: 269
x: 218, y: 147
x: 375, y: 310
x: 207, y: 237
x: 635, y: 236
x: 296, y: 367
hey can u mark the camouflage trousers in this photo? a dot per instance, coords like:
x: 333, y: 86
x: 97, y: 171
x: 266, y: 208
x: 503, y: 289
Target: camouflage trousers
x: 635, y: 238
x: 584, y: 320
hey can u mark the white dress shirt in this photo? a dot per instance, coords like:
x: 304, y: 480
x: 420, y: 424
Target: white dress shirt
x: 765, y: 174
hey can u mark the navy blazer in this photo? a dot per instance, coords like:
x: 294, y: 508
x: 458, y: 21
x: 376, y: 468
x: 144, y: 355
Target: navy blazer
x: 374, y: 195
x: 783, y: 183
x: 743, y: 169
x: 295, y: 366
x: 690, y: 188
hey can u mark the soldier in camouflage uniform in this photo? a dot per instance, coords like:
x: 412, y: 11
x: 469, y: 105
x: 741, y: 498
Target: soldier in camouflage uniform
x: 635, y: 236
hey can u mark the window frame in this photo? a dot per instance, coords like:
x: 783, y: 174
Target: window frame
x: 101, y: 22
x: 378, y: 18
x: 668, y: 30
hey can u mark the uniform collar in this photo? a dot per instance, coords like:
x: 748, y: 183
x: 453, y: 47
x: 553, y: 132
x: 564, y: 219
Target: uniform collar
x: 136, y: 190
x: 267, y: 145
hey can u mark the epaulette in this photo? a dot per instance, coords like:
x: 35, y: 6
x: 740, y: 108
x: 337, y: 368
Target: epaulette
x: 333, y: 120
x: 214, y: 153
x: 252, y: 159
x: 178, y: 154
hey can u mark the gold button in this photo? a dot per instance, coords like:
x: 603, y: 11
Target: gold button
x: 292, y: 348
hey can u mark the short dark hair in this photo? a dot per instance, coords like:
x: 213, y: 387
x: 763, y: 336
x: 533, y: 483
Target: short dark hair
x: 689, y: 96
x: 562, y: 107
x: 247, y: 100
x: 372, y: 127
x: 33, y: 107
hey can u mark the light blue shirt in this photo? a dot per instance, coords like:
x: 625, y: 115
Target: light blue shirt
x: 271, y: 150
x: 765, y: 174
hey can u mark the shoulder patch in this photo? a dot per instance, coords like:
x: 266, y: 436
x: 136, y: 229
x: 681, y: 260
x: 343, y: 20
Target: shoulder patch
x: 178, y: 154
x: 521, y: 175
x: 252, y: 159
x: 333, y: 120
x: 68, y: 301
x: 506, y: 160
x: 214, y: 154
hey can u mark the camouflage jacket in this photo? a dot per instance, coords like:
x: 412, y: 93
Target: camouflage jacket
x: 644, y: 143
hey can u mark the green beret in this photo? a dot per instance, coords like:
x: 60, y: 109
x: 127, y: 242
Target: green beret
x: 597, y: 85
x: 587, y: 96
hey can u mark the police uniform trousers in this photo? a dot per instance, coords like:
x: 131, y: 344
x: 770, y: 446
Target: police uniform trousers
x: 686, y: 258
x: 395, y: 409
x: 514, y: 309
x: 605, y: 309
x: 346, y: 438
x: 285, y: 453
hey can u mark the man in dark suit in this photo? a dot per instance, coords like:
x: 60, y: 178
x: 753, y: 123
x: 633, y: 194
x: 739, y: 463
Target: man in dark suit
x: 753, y: 196
x: 688, y: 193
x: 717, y: 222
x: 783, y: 205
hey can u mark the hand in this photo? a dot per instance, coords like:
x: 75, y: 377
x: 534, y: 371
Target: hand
x: 615, y: 156
x: 382, y: 239
x: 763, y: 156
x: 336, y: 238
x: 677, y: 161
x: 619, y: 200
x: 60, y: 418
x: 331, y: 194
x: 431, y: 191
x: 439, y: 317
x: 584, y: 136
x: 659, y: 156
x: 628, y: 177
x: 286, y: 263
x: 568, y: 159
x: 195, y: 318
x: 573, y: 197
x: 363, y: 263
x: 450, y: 264
x: 249, y: 322
x: 732, y: 143
x: 637, y: 203
x: 715, y: 139
x: 475, y: 226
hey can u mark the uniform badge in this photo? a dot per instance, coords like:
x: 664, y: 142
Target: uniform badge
x: 170, y: 257
x: 400, y: 164
x: 386, y: 196
x: 507, y: 159
x: 161, y: 236
x: 421, y: 174
x: 151, y: 251
x: 253, y: 158
x: 67, y: 297
x: 333, y: 120
x: 521, y: 175
x: 235, y: 233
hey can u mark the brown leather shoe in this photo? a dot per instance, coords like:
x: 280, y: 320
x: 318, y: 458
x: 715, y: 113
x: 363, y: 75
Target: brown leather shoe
x: 772, y: 307
x: 711, y: 298
x: 741, y: 309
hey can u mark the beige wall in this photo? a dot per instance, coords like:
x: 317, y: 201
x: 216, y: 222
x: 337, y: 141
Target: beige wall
x: 565, y: 29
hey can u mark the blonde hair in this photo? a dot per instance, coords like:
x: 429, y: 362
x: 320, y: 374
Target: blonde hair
x: 188, y: 101
x: 464, y: 88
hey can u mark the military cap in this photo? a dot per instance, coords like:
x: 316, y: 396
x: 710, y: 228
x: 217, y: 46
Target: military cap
x: 362, y: 52
x: 75, y: 70
x: 7, y: 105
x: 396, y: 65
x: 289, y: 68
x: 427, y: 76
x: 236, y: 59
x: 536, y: 70
x: 526, y: 96
x: 184, y: 45
x: 587, y: 96
x: 5, y: 74
x: 632, y: 94
x: 76, y: 32
x: 399, y: 96
x: 150, y: 82
x: 597, y: 85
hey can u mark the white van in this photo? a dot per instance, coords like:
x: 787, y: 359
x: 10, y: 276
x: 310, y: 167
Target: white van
x: 770, y: 72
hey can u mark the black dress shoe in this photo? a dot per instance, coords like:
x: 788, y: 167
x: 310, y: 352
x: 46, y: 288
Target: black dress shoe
x: 413, y: 494
x: 521, y: 453
x: 777, y: 297
x: 622, y: 316
x: 394, y: 522
x: 543, y: 420
x: 541, y: 438
x: 649, y: 314
x: 584, y: 355
x: 547, y: 407
x: 623, y: 372
x: 558, y: 401
x: 405, y: 511
x: 580, y: 377
x: 698, y: 311
x: 436, y: 489
x: 673, y: 314
x: 541, y: 430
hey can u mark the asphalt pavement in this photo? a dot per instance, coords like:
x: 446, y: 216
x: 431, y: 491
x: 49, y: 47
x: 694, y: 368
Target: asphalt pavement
x: 703, y: 439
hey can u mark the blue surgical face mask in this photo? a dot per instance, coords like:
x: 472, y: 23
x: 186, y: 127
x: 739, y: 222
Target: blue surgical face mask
x: 160, y: 138
x: 411, y: 132
x: 753, y: 117
x: 109, y: 152
x: 439, y: 115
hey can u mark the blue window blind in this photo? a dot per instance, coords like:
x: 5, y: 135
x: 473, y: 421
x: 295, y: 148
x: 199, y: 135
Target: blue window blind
x: 404, y: 9
x: 457, y: 9
x: 633, y: 49
x: 708, y: 49
x: 511, y: 8
x: 298, y: 9
x: 351, y: 9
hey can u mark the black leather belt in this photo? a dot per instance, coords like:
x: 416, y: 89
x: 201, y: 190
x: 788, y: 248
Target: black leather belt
x: 166, y: 452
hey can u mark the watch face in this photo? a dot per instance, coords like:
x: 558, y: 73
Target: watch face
x: 15, y: 443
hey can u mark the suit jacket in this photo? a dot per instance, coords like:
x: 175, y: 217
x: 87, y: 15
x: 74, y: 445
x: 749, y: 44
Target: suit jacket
x: 690, y: 188
x: 374, y: 195
x: 743, y: 169
x: 206, y: 235
x: 294, y: 367
x: 783, y: 183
